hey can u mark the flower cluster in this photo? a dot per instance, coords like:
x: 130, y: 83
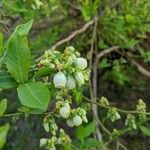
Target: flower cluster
x: 130, y: 122
x: 74, y: 117
x: 37, y: 4
x: 113, y: 114
x: 50, y: 125
x: 141, y: 107
x: 104, y: 101
x: 51, y: 143
x: 71, y: 69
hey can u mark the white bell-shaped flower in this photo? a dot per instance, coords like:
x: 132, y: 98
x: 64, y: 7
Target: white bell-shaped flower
x: 70, y: 83
x: 59, y: 80
x: 64, y: 112
x: 77, y: 120
x: 81, y: 63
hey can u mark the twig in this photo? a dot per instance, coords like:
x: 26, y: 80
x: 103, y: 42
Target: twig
x: 11, y: 115
x: 104, y: 128
x: 107, y: 51
x: 92, y: 43
x: 90, y: 65
x: 21, y: 113
x: 94, y: 106
x: 95, y: 77
x: 121, y: 145
x: 73, y: 34
x: 94, y: 81
x: 117, y: 109
x: 79, y: 31
x: 140, y: 68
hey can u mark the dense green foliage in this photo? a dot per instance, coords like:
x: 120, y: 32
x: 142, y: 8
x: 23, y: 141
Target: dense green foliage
x: 51, y: 97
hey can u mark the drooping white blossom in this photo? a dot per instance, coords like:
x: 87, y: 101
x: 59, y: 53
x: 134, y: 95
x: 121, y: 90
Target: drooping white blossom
x: 59, y: 80
x: 81, y: 63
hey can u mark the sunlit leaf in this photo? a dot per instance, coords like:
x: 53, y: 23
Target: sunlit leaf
x: 35, y: 96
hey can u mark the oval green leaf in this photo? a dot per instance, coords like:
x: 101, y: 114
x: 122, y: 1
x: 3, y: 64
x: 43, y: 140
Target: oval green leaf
x: 18, y: 54
x: 18, y: 58
x: 145, y: 130
x: 35, y: 96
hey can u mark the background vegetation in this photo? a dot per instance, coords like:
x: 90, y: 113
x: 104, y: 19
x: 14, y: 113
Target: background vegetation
x: 113, y: 35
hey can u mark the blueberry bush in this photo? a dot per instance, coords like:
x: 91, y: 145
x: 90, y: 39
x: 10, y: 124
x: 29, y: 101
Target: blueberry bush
x: 74, y: 75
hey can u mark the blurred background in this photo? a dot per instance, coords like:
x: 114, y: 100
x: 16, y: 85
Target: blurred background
x: 90, y: 26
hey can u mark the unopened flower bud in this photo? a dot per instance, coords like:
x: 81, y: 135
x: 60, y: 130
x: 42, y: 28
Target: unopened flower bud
x: 44, y: 62
x: 59, y: 80
x: 70, y: 48
x: 84, y: 118
x: 77, y: 53
x: 80, y: 78
x: 43, y: 142
x: 70, y: 123
x: 46, y: 54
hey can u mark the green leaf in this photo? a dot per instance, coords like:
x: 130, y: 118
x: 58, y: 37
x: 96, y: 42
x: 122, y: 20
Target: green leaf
x: 21, y: 30
x: 145, y: 55
x: 80, y: 133
x: 35, y: 96
x: 102, y: 45
x: 6, y: 81
x: 89, y: 128
x: 145, y: 130
x: 18, y: 58
x: 3, y: 106
x: 67, y: 146
x: 104, y: 63
x: 130, y: 43
x: 18, y: 54
x: 83, y: 132
x: 3, y: 133
x: 116, y: 134
x: 77, y: 96
x: 43, y: 72
x: 24, y: 28
x: 113, y: 114
x: 1, y: 43
x: 90, y: 142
